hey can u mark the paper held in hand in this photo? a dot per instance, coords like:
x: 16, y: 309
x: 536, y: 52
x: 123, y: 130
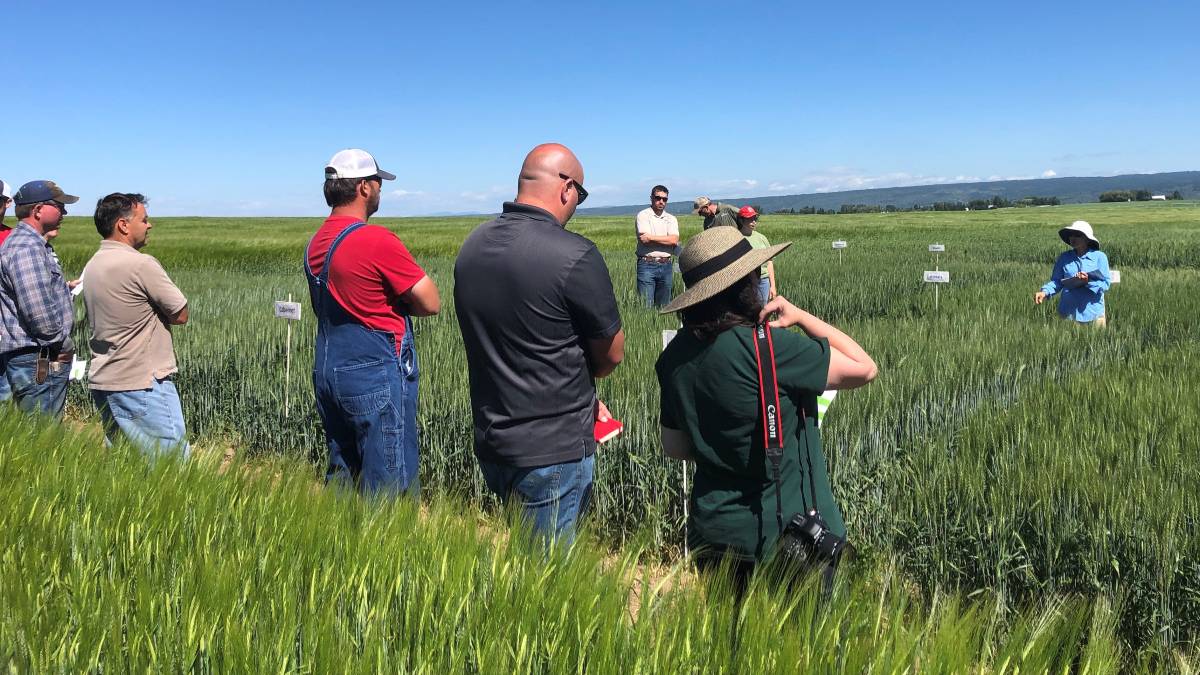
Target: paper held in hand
x: 936, y: 277
x: 78, y: 368
x: 287, y: 310
x: 607, y: 430
x: 1114, y: 276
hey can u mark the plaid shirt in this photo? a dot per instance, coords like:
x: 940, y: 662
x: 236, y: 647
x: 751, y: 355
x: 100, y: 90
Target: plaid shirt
x: 35, y: 303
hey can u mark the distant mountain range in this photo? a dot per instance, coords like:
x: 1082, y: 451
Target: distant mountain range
x: 1069, y: 190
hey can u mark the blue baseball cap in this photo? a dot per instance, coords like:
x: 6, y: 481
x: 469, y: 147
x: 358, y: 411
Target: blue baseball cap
x: 37, y: 191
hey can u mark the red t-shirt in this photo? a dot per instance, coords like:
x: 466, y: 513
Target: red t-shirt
x: 371, y: 270
x: 4, y: 232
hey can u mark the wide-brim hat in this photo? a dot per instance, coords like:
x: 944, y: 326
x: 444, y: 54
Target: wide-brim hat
x: 1080, y: 227
x: 714, y: 260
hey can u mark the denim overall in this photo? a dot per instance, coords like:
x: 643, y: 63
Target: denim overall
x: 366, y: 393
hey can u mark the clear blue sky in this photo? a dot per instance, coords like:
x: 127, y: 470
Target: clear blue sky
x: 228, y: 108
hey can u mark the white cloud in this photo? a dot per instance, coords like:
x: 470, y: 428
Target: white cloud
x: 1049, y: 173
x: 401, y: 192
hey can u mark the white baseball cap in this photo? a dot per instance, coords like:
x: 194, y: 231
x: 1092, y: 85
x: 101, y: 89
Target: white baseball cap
x: 355, y: 163
x: 5, y: 190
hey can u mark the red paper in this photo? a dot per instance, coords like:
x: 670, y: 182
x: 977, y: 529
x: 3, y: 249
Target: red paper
x: 606, y: 431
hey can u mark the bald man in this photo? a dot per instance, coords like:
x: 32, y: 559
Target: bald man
x: 539, y: 322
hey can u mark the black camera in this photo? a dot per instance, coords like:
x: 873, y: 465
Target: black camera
x: 806, y: 541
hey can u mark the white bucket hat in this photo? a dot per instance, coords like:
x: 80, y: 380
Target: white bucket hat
x: 1080, y: 227
x: 5, y: 190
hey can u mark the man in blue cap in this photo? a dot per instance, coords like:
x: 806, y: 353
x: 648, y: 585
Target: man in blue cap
x: 36, y: 312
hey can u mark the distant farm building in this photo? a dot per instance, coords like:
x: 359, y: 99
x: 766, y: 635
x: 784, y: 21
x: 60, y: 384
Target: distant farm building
x: 1159, y: 198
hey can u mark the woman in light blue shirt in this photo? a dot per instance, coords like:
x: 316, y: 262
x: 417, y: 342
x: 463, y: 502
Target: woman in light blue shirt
x: 1081, y: 275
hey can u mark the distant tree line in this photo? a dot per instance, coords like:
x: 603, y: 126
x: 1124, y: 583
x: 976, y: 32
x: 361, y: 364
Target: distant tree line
x: 996, y: 202
x: 1133, y: 196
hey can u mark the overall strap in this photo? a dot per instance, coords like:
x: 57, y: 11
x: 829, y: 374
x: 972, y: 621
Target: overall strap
x: 324, y: 276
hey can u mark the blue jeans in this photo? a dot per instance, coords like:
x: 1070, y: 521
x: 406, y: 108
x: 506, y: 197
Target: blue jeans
x: 654, y: 281
x: 764, y: 289
x: 49, y: 397
x: 5, y: 387
x: 151, y: 419
x: 554, y: 498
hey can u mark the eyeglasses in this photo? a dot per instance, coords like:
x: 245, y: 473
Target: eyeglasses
x: 659, y: 198
x: 56, y: 204
x: 578, y: 188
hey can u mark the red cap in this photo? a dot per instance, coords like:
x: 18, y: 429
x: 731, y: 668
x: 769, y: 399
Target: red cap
x: 748, y: 212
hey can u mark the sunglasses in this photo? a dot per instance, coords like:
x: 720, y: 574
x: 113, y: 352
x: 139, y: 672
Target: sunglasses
x: 56, y: 204
x: 659, y: 198
x: 578, y: 188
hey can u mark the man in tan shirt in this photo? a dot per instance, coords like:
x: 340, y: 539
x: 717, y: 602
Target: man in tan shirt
x: 658, y: 236
x: 131, y: 306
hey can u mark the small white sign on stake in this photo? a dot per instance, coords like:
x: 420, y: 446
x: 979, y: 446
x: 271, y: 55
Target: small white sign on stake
x: 668, y: 335
x: 839, y: 244
x: 287, y: 310
x: 937, y: 277
x: 937, y: 248
x: 1115, y: 276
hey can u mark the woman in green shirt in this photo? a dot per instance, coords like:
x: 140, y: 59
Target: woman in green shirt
x: 708, y: 377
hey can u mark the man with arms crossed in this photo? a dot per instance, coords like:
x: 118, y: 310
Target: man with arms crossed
x: 365, y: 288
x: 131, y: 306
x: 658, y: 237
x: 539, y: 322
x: 35, y: 305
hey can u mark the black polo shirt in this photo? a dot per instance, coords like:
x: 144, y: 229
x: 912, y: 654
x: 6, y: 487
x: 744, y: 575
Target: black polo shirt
x: 528, y: 295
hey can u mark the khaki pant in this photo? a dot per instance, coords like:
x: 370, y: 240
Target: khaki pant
x: 1098, y: 322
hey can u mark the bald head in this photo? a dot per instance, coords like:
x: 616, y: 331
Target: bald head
x: 542, y: 183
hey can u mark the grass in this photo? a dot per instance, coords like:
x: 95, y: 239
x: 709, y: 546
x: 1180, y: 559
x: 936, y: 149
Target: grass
x: 1001, y: 453
x: 111, y: 563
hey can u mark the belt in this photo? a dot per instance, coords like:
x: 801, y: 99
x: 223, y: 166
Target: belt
x: 660, y: 259
x: 52, y: 353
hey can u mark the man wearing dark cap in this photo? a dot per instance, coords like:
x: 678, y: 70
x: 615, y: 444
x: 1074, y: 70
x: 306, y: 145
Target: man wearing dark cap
x: 365, y: 288
x: 36, y: 312
x: 715, y: 213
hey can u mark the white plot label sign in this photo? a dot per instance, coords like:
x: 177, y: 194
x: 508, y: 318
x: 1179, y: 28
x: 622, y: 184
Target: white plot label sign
x: 668, y: 335
x: 937, y: 248
x: 287, y: 310
x: 839, y: 244
x: 1114, y: 276
x: 936, y: 277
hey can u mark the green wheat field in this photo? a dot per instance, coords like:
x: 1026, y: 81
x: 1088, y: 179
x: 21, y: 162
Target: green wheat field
x: 1023, y: 492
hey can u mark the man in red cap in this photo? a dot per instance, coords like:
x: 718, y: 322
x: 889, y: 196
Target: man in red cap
x: 747, y: 220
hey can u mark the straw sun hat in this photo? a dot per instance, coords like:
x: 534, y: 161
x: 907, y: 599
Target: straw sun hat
x: 714, y: 260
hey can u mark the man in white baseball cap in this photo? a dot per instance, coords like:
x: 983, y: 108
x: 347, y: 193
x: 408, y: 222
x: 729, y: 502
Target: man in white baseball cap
x: 365, y: 288
x: 1081, y: 274
x: 355, y: 163
x: 5, y: 198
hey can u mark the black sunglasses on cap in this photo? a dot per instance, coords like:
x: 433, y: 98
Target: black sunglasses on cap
x: 578, y: 188
x: 658, y: 198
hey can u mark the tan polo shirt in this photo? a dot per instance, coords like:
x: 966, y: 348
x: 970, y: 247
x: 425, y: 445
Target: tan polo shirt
x: 649, y: 223
x: 128, y: 295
